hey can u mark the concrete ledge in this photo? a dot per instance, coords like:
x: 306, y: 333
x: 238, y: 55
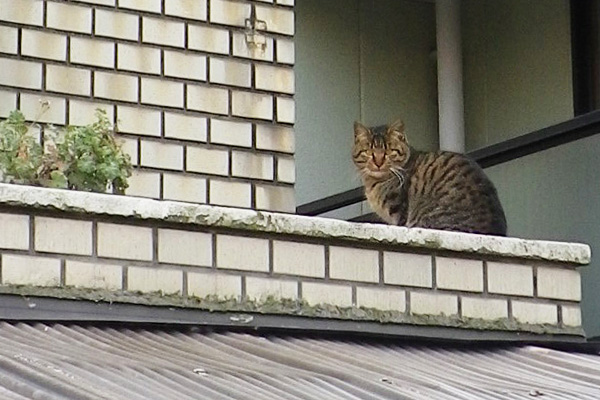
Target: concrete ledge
x: 313, y: 227
x: 73, y: 245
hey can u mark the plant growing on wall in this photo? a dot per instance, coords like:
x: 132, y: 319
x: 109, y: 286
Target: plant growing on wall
x: 87, y: 158
x: 20, y: 154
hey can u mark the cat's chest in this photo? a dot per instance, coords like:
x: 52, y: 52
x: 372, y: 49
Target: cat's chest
x: 384, y: 202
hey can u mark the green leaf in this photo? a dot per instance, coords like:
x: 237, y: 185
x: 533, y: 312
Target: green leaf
x: 58, y: 180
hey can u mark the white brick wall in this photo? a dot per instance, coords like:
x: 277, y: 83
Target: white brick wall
x: 228, y: 193
x: 301, y: 259
x: 149, y: 254
x: 82, y: 112
x: 43, y: 45
x: 534, y: 313
x: 185, y: 127
x: 161, y: 155
x: 159, y: 31
x: 242, y: 253
x: 130, y: 147
x: 208, y: 161
x: 28, y: 12
x: 353, y: 264
x: 116, y: 25
x: 17, y: 237
x: 166, y: 69
x: 8, y: 102
x: 184, y: 188
x: 146, y: 279
x: 208, y: 99
x: 252, y: 105
x: 250, y: 165
x: 111, y: 243
x: 138, y: 58
x: 162, y: 93
x: 113, y: 86
x: 508, y: 278
x: 555, y: 283
x: 9, y: 39
x: 184, y: 65
x: 433, y: 303
x: 143, y: 5
x: 276, y: 79
x: 286, y: 170
x: 277, y: 19
x: 144, y: 184
x: 276, y: 198
x: 98, y: 53
x: 490, y: 309
x: 241, y: 49
x: 214, y: 284
x: 571, y: 315
x: 68, y: 80
x: 68, y: 17
x: 381, y: 299
x: 93, y: 276
x: 315, y: 293
x: 19, y: 73
x: 260, y: 289
x: 276, y: 138
x: 212, y: 40
x: 229, y: 12
x: 183, y: 247
x: 286, y: 110
x: 139, y: 121
x: 407, y: 269
x: 286, y: 51
x: 59, y: 235
x: 26, y: 270
x: 195, y: 9
x: 231, y: 132
x: 459, y: 274
x: 31, y: 105
x: 228, y: 72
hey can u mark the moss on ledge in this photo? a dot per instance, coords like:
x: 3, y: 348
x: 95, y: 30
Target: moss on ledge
x: 93, y: 205
x: 285, y: 307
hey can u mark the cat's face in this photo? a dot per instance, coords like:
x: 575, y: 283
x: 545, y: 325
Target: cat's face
x: 380, y: 151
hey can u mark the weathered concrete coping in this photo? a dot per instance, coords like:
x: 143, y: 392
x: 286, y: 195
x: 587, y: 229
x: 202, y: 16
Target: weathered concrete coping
x: 313, y: 227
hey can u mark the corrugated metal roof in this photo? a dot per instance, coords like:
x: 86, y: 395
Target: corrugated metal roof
x: 73, y: 361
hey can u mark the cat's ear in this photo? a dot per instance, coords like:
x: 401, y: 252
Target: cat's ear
x: 360, y: 129
x: 397, y: 128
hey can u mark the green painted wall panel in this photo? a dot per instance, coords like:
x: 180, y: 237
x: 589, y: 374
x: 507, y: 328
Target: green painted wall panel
x: 555, y: 194
x: 327, y: 96
x: 398, y: 78
x: 517, y: 68
x: 358, y: 60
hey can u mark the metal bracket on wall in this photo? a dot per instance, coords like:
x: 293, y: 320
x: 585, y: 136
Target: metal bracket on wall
x: 255, y: 40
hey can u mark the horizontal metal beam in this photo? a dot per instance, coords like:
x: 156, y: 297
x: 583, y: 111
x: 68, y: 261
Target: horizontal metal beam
x: 43, y: 309
x: 565, y: 132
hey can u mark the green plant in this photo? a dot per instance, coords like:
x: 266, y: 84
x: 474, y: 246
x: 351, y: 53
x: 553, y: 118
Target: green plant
x: 89, y: 158
x: 20, y: 154
x: 84, y: 158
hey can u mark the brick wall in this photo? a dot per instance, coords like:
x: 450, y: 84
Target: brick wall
x: 204, y: 117
x: 63, y: 239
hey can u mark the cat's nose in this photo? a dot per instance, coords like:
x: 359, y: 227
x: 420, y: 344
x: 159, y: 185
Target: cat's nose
x: 378, y: 157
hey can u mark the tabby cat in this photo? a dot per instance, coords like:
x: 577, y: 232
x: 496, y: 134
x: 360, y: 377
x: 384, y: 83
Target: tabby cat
x: 436, y: 190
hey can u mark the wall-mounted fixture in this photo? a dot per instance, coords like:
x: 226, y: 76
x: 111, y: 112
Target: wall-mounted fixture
x: 255, y: 40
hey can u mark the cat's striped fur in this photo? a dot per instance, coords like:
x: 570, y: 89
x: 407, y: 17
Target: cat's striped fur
x: 436, y: 190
